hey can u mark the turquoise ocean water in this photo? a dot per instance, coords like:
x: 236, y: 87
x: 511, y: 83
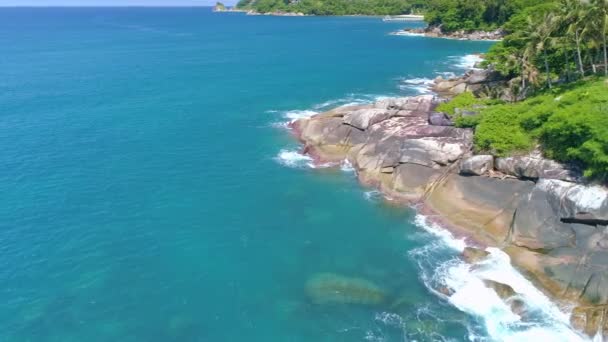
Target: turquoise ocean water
x: 149, y: 191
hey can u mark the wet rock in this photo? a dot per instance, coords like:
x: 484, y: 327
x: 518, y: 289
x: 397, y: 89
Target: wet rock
x: 445, y: 291
x: 591, y: 320
x: 477, y: 165
x: 473, y: 255
x: 503, y: 291
x: 518, y: 306
x: 329, y: 288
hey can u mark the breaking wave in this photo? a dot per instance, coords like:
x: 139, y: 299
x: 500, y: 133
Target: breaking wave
x: 294, y: 159
x: 418, y: 85
x: 445, y: 274
x: 466, y: 62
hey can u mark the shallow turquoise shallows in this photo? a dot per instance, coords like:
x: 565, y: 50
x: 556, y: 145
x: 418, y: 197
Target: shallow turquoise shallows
x: 149, y: 191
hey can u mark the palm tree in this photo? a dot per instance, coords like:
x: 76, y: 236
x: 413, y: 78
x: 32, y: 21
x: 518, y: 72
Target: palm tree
x: 573, y: 14
x: 599, y: 10
x: 539, y: 39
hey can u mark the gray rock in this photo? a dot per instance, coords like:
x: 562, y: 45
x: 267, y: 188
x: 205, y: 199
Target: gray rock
x: 459, y: 88
x: 482, y: 76
x: 440, y: 119
x: 537, y: 226
x: 477, y: 165
x: 363, y: 118
x: 576, y: 202
x: 534, y: 167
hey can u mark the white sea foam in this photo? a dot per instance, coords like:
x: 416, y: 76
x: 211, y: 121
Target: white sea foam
x: 467, y: 61
x: 346, y: 166
x: 299, y: 114
x: 542, y: 320
x: 443, y: 234
x: 294, y: 159
x: 420, y: 85
x: 372, y: 195
x: 407, y: 33
x: 446, y: 74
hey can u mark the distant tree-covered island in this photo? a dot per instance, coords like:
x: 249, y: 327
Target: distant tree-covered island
x: 334, y: 7
x: 219, y: 7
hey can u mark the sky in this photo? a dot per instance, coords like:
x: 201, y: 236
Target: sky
x: 110, y: 2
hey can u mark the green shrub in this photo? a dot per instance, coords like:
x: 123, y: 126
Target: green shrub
x: 570, y: 124
x: 499, y: 132
x: 467, y: 121
x: 465, y: 100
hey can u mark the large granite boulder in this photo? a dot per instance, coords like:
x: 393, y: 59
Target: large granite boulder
x: 440, y: 119
x: 477, y: 165
x: 410, y: 182
x: 576, y: 202
x: 537, y: 226
x: 534, y: 166
x: 481, y: 206
x: 363, y: 118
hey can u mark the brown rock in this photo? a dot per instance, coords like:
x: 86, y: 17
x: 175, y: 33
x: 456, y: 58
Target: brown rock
x: 473, y: 255
x: 590, y: 319
x: 503, y: 291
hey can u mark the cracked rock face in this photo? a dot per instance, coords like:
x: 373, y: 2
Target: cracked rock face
x: 552, y: 228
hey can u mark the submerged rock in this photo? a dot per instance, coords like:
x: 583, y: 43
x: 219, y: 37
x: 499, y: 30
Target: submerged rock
x: 329, y: 288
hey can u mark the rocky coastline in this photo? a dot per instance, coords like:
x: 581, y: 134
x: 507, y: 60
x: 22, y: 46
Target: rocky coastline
x: 278, y: 14
x: 436, y: 32
x: 535, y: 210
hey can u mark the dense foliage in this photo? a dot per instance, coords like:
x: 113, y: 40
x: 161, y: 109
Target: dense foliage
x: 570, y: 124
x: 334, y: 7
x: 553, y: 41
x: 469, y: 15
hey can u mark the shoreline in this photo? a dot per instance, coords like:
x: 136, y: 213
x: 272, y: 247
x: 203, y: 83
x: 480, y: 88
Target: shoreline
x: 435, y: 32
x: 412, y: 18
x: 405, y: 33
x: 342, y: 134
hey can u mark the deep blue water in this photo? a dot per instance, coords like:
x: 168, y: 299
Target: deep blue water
x: 141, y: 197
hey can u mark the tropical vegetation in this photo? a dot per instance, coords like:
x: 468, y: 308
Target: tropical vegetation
x: 568, y: 122
x: 554, y: 55
x: 557, y: 41
x: 334, y: 7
